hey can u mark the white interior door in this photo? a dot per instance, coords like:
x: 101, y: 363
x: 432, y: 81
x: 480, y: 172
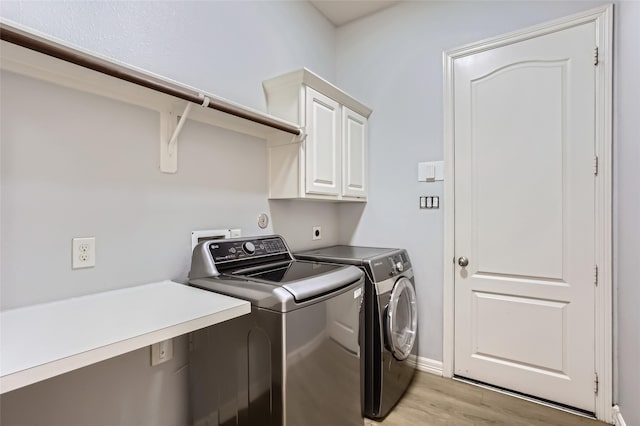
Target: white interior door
x: 524, y: 216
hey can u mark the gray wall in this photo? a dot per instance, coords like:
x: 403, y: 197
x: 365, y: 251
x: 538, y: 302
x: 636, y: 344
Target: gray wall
x: 142, y: 219
x: 627, y: 207
x: 392, y: 61
x: 75, y: 164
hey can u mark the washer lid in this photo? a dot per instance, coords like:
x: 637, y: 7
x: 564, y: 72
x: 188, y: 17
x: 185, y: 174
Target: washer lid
x: 285, y: 296
x: 306, y: 280
x: 291, y: 271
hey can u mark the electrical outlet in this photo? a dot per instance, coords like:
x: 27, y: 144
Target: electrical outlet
x: 161, y: 352
x: 83, y: 253
x: 317, y: 233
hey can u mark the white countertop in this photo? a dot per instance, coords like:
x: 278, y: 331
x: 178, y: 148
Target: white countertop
x: 41, y: 341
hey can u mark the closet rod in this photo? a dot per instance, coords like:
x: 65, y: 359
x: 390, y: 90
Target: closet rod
x: 84, y: 60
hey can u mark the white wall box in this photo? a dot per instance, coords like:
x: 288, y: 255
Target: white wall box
x: 36, y: 55
x: 330, y: 162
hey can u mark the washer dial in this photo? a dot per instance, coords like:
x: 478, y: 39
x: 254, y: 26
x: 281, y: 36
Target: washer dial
x: 248, y: 247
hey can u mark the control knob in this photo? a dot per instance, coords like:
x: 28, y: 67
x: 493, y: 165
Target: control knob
x: 399, y: 266
x: 248, y: 247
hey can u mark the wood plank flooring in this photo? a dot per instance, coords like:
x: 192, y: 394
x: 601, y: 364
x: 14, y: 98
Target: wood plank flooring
x: 434, y: 400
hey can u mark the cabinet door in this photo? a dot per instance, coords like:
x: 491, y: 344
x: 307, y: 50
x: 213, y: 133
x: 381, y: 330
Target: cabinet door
x: 354, y: 154
x: 323, y: 147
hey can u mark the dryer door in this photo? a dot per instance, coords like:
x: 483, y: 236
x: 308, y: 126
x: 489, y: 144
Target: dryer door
x: 401, y: 319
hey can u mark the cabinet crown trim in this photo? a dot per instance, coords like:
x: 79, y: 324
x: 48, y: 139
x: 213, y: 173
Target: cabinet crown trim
x: 308, y: 78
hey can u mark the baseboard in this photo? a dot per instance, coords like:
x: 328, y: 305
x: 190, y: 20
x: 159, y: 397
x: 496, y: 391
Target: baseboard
x: 617, y: 416
x: 427, y: 365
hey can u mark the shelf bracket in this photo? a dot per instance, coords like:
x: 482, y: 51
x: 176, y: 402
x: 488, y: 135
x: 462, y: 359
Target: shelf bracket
x: 169, y: 131
x: 300, y: 137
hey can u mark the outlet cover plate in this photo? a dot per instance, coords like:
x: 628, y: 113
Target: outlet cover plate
x: 161, y: 352
x: 83, y: 253
x: 317, y: 232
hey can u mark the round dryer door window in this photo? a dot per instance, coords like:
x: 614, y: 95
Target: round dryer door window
x: 402, y: 319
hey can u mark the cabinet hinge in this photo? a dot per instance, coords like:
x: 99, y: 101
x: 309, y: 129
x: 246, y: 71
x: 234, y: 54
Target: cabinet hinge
x: 595, y: 278
x: 595, y: 165
x: 595, y: 56
x: 596, y: 384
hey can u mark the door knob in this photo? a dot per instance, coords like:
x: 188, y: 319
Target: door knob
x: 463, y: 261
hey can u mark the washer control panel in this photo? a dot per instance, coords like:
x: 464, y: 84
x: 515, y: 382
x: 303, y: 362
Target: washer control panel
x: 240, y: 249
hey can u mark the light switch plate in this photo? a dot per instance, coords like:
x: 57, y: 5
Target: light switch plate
x: 431, y: 171
x: 426, y: 172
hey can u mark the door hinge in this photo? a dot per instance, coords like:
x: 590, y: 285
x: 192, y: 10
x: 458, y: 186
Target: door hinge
x: 596, y: 276
x: 595, y: 165
x: 595, y: 56
x: 596, y: 384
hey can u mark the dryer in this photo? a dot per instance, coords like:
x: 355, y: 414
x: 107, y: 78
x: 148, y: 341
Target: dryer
x: 390, y: 344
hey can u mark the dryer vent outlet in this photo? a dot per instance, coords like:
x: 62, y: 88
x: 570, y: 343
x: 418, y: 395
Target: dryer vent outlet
x: 317, y: 233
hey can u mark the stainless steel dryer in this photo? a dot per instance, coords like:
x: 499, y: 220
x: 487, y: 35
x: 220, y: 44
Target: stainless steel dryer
x: 295, y: 360
x: 391, y: 321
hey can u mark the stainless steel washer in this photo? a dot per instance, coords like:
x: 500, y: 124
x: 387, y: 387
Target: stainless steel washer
x: 390, y: 321
x: 295, y: 360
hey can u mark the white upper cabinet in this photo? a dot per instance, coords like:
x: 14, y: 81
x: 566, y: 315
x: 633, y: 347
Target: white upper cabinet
x: 354, y: 154
x: 330, y: 162
x: 323, y: 154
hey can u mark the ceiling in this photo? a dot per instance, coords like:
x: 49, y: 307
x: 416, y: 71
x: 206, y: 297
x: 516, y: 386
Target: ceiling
x: 340, y: 12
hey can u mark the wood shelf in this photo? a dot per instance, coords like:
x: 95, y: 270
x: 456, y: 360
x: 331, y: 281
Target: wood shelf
x: 42, y: 341
x: 36, y: 55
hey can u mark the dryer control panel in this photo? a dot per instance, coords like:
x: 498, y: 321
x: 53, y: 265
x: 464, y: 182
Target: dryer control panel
x: 390, y: 266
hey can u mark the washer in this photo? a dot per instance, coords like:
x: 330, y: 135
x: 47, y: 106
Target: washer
x: 391, y: 321
x: 295, y: 359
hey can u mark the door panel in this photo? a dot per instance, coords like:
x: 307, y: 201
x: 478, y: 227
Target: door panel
x: 354, y: 142
x: 501, y: 149
x: 524, y: 217
x: 322, y: 144
x: 519, y: 343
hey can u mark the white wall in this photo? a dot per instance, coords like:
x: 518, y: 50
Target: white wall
x: 224, y: 47
x: 101, y: 156
x: 627, y: 207
x: 75, y: 164
x: 392, y: 61
x: 142, y: 219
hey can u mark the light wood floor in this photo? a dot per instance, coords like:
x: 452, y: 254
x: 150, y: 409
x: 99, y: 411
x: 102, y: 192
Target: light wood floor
x: 434, y: 400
